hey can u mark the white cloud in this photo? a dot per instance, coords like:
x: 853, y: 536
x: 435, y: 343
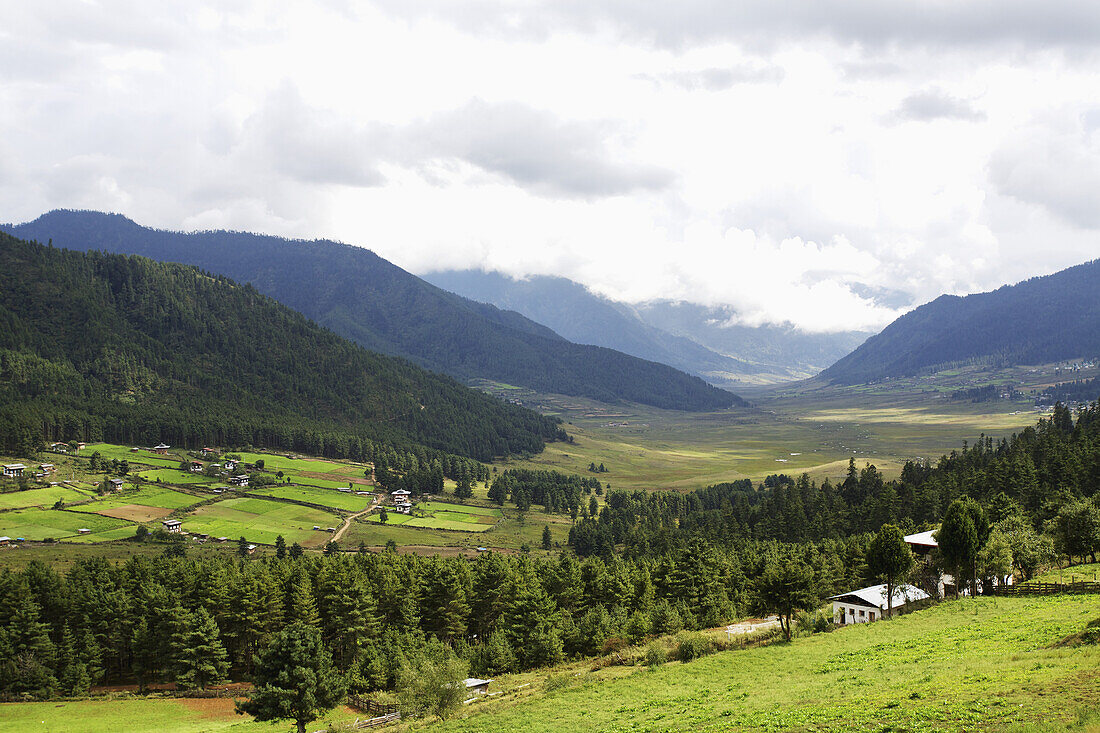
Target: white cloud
x: 768, y: 157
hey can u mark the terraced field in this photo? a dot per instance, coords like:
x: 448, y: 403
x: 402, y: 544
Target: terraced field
x: 45, y: 497
x: 176, y: 476
x: 324, y: 497
x: 40, y: 524
x: 441, y: 515
x: 144, y: 505
x: 261, y: 521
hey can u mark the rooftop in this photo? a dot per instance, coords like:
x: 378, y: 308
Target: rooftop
x: 875, y: 595
x: 922, y: 538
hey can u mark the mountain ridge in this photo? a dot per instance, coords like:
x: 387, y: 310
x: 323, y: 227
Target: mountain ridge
x: 1044, y: 319
x: 380, y: 306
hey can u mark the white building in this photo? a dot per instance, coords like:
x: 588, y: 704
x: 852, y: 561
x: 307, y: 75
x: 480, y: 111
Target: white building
x: 14, y: 470
x: 869, y: 604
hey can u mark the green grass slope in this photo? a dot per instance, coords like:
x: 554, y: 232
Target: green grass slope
x: 973, y: 664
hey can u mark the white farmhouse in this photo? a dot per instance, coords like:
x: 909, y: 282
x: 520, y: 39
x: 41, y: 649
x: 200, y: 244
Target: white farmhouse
x: 869, y: 604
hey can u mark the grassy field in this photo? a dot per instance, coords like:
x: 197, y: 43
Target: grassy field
x: 261, y: 520
x: 1087, y: 571
x: 323, y: 497
x: 176, y: 476
x: 275, y: 462
x: 45, y: 497
x: 39, y: 524
x: 806, y: 427
x: 441, y: 515
x: 144, y: 505
x: 984, y: 663
x: 138, y: 715
x: 123, y: 453
x: 511, y: 532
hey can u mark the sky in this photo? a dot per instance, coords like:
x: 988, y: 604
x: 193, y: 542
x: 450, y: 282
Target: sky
x: 828, y: 164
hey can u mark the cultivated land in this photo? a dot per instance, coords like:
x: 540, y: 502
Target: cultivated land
x: 972, y: 664
x: 262, y: 520
x: 323, y: 497
x: 441, y: 515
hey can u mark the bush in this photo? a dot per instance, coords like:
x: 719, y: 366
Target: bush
x: 556, y: 682
x: 655, y: 655
x: 690, y: 645
x: 813, y: 623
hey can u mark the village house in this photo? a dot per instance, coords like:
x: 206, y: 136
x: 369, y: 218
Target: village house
x: 5, y: 540
x: 241, y: 480
x: 14, y: 470
x: 476, y: 686
x: 197, y: 467
x: 59, y: 447
x: 162, y: 449
x: 209, y: 452
x: 84, y: 530
x: 869, y: 604
x: 116, y: 484
x: 174, y: 526
x: 230, y: 465
x: 46, y: 467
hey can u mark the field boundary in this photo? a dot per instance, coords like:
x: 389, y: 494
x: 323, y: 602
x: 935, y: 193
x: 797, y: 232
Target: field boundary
x: 1047, y: 589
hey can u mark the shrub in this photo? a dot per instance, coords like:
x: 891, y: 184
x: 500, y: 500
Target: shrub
x: 556, y: 682
x: 690, y: 645
x: 655, y: 655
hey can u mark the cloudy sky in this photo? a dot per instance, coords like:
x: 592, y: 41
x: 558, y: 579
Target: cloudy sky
x: 827, y: 163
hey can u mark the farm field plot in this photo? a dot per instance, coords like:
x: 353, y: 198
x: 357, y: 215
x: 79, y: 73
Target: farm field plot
x: 146, y: 504
x: 324, y: 497
x: 328, y: 483
x: 119, y: 533
x: 175, y: 476
x: 45, y: 497
x: 455, y: 517
x: 261, y: 520
x: 123, y: 453
x: 274, y: 462
x: 39, y: 524
x: 973, y: 664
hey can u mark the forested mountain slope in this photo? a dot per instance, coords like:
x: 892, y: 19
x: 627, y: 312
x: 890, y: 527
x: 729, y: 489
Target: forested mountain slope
x: 695, y: 338
x: 1038, y: 321
x: 125, y: 349
x: 380, y: 306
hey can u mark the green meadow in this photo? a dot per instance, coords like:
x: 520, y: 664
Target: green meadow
x: 441, y: 515
x: 324, y: 497
x: 45, y: 497
x: 147, y: 495
x: 40, y: 524
x: 972, y: 664
x: 176, y: 476
x: 141, y: 715
x: 261, y: 521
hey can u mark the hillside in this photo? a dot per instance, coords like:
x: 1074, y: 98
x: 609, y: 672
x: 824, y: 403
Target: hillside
x: 380, y: 306
x: 697, y: 339
x: 973, y: 664
x: 1039, y: 321
x: 109, y: 347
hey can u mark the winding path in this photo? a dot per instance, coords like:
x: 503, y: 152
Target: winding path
x: 347, y: 521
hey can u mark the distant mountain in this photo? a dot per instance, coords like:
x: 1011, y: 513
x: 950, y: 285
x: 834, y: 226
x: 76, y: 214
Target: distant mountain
x: 586, y: 318
x: 697, y: 339
x: 369, y: 300
x: 1041, y: 320
x: 95, y: 346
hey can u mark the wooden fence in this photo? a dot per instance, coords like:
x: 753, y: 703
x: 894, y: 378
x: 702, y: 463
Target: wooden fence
x: 380, y: 713
x: 1046, y: 589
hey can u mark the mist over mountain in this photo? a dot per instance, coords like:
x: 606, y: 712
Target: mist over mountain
x: 371, y: 301
x: 1041, y: 320
x: 698, y: 339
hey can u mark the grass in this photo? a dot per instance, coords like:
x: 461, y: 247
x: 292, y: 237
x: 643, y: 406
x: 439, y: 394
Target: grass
x: 511, y: 532
x: 324, y: 497
x: 140, y: 715
x: 144, y: 505
x: 1087, y: 571
x: 261, y: 521
x: 176, y: 476
x: 39, y: 524
x: 441, y: 515
x: 123, y: 453
x: 984, y: 663
x: 46, y: 497
x: 275, y: 462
